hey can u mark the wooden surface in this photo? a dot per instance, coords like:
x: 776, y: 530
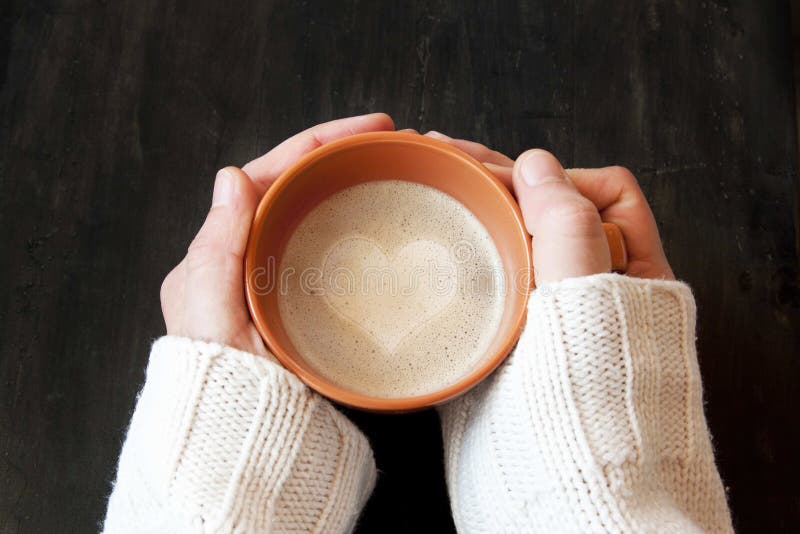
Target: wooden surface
x: 115, y: 116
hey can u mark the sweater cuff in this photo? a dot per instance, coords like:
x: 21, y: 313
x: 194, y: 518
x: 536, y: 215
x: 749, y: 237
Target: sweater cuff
x: 226, y: 440
x: 622, y: 352
x: 594, y: 423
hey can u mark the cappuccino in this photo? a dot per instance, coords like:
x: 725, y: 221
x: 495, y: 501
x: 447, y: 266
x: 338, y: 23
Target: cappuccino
x: 391, y: 289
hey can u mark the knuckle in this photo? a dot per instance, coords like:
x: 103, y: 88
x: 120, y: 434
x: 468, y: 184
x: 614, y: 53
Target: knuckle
x: 206, y: 242
x: 199, y: 245
x: 201, y: 253
x: 623, y: 174
x: 630, y: 192
x: 209, y: 254
x: 577, y: 216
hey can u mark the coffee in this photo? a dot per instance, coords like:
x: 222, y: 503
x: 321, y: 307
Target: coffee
x: 391, y: 289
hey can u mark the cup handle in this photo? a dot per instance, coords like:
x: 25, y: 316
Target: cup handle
x: 616, y: 245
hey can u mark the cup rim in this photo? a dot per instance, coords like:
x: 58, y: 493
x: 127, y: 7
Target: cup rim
x: 317, y: 382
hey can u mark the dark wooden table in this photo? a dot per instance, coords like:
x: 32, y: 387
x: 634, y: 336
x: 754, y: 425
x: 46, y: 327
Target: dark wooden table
x: 115, y: 116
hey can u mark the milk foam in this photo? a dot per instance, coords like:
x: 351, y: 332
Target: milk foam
x: 391, y: 289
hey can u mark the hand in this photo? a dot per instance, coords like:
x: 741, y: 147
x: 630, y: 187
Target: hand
x: 564, y: 211
x: 562, y: 420
x: 203, y: 297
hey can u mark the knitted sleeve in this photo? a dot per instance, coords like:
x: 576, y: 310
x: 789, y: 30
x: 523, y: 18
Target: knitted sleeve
x: 594, y: 423
x: 225, y: 441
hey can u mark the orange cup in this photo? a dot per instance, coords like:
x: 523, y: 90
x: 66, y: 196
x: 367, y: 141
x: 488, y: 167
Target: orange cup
x: 398, y: 156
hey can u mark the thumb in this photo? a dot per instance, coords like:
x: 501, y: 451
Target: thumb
x: 568, y: 237
x: 214, y: 296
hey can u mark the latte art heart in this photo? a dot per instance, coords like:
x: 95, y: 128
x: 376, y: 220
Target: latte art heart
x: 386, y: 289
x: 389, y: 297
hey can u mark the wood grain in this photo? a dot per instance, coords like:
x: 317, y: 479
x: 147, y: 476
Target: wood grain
x: 115, y: 116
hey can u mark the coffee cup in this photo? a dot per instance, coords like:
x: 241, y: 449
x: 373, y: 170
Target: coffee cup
x: 337, y: 204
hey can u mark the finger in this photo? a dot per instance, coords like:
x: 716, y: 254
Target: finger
x: 409, y: 130
x: 617, y: 195
x: 568, y: 237
x: 227, y: 225
x: 265, y: 169
x: 214, y: 272
x: 478, y: 151
x: 502, y: 173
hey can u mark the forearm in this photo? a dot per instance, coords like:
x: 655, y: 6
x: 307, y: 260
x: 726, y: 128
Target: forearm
x: 594, y: 423
x: 223, y: 440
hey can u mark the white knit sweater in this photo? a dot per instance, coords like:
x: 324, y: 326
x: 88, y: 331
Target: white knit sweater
x: 595, y: 423
x: 225, y: 441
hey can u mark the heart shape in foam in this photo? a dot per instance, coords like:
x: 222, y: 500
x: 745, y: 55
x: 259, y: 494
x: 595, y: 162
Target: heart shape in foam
x: 389, y: 298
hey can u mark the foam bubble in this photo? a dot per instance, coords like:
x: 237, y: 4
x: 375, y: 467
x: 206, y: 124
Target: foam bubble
x: 401, y: 306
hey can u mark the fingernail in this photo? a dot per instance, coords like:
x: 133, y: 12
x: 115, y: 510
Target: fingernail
x: 224, y: 189
x: 436, y: 135
x: 540, y: 166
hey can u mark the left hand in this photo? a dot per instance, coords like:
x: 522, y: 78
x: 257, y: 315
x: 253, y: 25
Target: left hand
x: 203, y: 296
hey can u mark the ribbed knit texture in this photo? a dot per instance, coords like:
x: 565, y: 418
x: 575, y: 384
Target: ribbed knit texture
x: 594, y: 424
x: 225, y: 441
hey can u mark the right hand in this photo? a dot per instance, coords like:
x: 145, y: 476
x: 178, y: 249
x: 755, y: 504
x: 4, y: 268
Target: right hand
x: 569, y: 433
x: 564, y: 211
